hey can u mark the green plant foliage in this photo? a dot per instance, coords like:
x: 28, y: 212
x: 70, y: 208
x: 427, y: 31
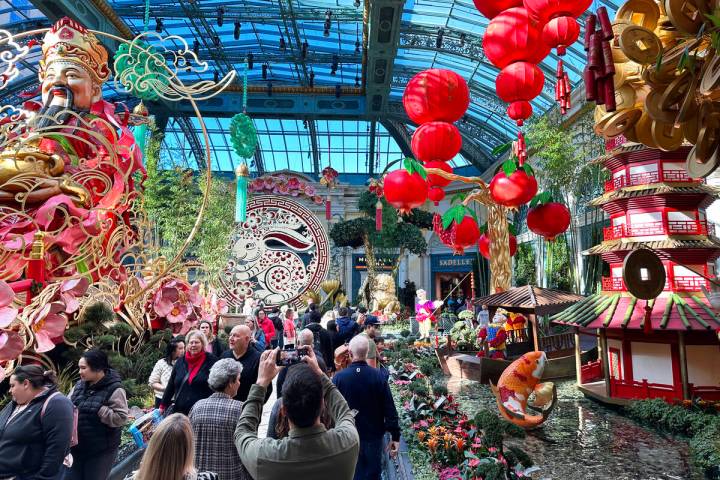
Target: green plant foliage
x: 559, y: 273
x: 350, y: 233
x: 172, y: 199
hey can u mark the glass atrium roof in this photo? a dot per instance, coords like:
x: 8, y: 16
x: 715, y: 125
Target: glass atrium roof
x: 432, y: 34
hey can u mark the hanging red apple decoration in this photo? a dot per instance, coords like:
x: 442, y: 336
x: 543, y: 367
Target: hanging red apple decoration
x: 457, y: 228
x: 484, y: 241
x: 513, y: 185
x: 406, y: 188
x: 547, y: 218
x: 433, y: 141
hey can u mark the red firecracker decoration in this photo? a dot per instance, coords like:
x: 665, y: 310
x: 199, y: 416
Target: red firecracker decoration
x: 547, y: 218
x: 378, y: 215
x: 434, y: 141
x: 436, y: 95
x: 519, y: 149
x: 519, y: 81
x: 600, y: 70
x: 406, y: 188
x: 562, y: 88
x: 328, y: 208
x: 513, y: 185
x: 519, y: 111
x: 512, y: 37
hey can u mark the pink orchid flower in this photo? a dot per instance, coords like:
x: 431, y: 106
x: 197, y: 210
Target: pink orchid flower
x: 11, y: 345
x: 71, y: 290
x: 293, y: 183
x: 48, y: 323
x: 7, y: 312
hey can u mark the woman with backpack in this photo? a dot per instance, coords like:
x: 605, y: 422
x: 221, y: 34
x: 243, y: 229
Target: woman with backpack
x: 102, y: 412
x: 36, y: 427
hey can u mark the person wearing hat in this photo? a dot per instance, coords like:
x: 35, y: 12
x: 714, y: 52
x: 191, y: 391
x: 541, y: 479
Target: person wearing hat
x: 371, y: 331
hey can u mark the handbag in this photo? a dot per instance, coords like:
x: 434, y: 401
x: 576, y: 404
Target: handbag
x: 171, y: 409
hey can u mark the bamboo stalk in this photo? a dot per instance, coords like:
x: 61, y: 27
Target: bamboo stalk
x: 629, y: 311
x: 593, y: 314
x: 681, y: 311
x: 611, y: 312
x: 588, y: 305
x: 573, y: 308
x: 666, y: 313
x: 697, y: 317
x: 706, y: 308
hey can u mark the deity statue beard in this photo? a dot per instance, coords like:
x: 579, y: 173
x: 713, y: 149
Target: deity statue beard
x: 54, y: 113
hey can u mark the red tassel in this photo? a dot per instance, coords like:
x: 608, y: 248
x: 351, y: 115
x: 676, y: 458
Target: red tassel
x: 328, y: 208
x: 647, y: 324
x: 378, y: 216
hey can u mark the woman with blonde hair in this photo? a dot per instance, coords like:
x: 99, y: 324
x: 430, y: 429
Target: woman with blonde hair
x: 170, y: 453
x: 189, y: 379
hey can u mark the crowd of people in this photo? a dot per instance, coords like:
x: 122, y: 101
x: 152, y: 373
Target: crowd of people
x: 332, y: 410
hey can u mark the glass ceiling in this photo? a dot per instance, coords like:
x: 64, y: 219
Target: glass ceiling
x: 274, y: 32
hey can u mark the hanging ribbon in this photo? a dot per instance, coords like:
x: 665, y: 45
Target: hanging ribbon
x: 243, y: 176
x: 378, y: 215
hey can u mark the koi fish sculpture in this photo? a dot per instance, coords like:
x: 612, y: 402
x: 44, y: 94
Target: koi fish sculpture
x: 517, y: 384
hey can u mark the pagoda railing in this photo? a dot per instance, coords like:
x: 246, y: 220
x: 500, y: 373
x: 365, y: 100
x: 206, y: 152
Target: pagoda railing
x: 647, y: 178
x: 645, y: 229
x: 644, y: 389
x: 683, y: 283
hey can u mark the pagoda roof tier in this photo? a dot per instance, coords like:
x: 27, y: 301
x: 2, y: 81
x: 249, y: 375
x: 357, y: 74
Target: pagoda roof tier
x: 695, y: 249
x: 671, y: 311
x: 657, y: 195
x: 637, y: 152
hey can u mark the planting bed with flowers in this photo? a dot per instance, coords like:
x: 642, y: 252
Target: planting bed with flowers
x: 458, y: 446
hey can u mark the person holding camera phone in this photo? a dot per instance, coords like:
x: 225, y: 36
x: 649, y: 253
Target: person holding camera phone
x: 310, y: 451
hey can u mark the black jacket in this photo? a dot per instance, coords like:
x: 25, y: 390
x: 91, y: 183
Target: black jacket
x: 191, y: 392
x: 218, y: 347
x: 366, y: 390
x: 283, y: 372
x: 326, y: 344
x: 94, y: 436
x: 250, y: 362
x: 35, y: 447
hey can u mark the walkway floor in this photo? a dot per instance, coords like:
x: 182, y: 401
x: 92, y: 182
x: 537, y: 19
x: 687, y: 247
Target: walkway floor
x: 262, y: 429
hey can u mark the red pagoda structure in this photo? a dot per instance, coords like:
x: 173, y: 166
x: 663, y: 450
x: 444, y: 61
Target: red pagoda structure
x: 652, y: 203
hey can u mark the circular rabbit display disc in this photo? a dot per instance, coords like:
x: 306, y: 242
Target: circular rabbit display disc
x: 280, y: 252
x: 643, y: 274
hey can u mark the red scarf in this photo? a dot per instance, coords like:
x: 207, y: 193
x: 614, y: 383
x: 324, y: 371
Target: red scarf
x: 194, y: 363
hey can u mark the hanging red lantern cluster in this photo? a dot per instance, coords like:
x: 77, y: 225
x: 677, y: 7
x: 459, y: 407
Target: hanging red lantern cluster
x: 434, y: 99
x: 600, y: 70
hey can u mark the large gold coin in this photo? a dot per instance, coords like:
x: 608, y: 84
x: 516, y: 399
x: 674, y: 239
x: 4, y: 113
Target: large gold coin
x: 698, y: 169
x: 640, y: 45
x: 625, y: 97
x: 627, y: 73
x: 640, y: 12
x: 691, y: 129
x: 667, y: 136
x: 688, y: 106
x: 621, y: 121
x: 600, y: 125
x: 710, y: 82
x: 707, y: 142
x: 617, y: 53
x: 630, y: 134
x: 675, y: 93
x: 686, y: 15
x: 652, y: 107
x: 643, y: 131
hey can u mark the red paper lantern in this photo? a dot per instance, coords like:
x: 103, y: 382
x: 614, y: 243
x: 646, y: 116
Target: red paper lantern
x: 544, y: 10
x: 436, y: 141
x: 436, y: 95
x: 560, y: 33
x: 519, y: 81
x: 519, y: 111
x: 511, y: 37
x: 437, y: 180
x: 549, y: 220
x: 491, y: 8
x: 435, y: 195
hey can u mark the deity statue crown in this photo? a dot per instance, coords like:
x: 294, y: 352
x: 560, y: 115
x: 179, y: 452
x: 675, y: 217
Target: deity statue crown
x: 68, y: 41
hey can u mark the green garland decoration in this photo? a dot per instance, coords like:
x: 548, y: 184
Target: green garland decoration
x: 243, y: 135
x: 140, y: 68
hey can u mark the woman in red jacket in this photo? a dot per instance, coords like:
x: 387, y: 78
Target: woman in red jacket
x: 267, y: 326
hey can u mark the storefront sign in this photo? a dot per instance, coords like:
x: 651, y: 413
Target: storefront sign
x: 382, y: 262
x: 452, y: 263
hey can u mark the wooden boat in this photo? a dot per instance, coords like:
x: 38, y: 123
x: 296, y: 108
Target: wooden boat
x: 469, y: 366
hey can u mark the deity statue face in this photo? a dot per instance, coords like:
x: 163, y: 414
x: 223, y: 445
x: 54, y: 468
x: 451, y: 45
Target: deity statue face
x: 83, y: 89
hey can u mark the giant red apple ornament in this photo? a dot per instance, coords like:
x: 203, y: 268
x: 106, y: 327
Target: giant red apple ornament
x: 513, y: 185
x: 547, y: 218
x: 406, y: 188
x: 457, y: 228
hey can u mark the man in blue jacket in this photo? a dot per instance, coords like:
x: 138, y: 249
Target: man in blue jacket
x: 366, y: 390
x: 347, y: 327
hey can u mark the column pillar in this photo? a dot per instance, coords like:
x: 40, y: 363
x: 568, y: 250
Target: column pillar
x: 605, y: 360
x: 578, y: 358
x: 683, y: 366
